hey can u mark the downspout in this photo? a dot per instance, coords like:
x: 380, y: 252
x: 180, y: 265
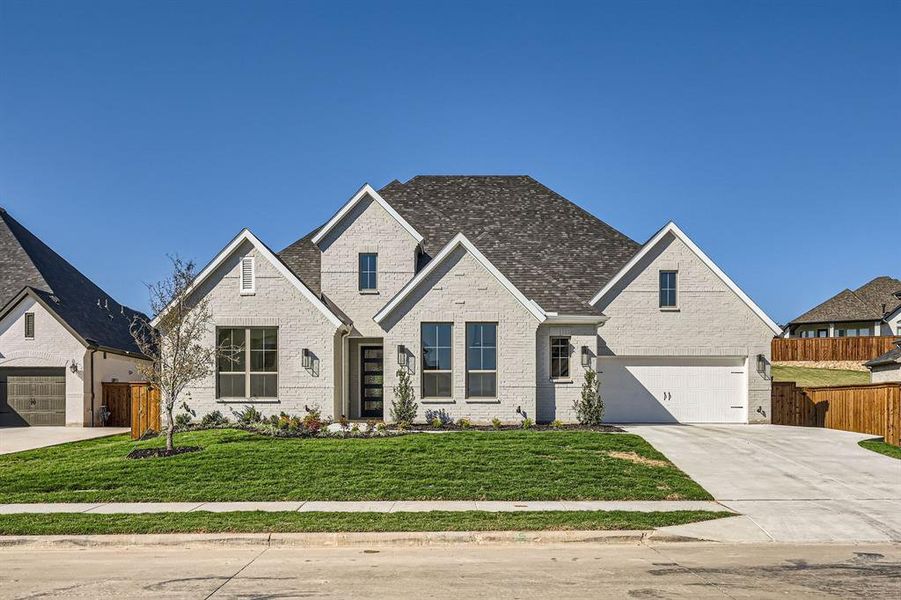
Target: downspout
x: 345, y: 393
x: 93, y: 418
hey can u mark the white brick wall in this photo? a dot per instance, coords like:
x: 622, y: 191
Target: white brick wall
x: 885, y: 374
x: 556, y: 398
x: 300, y: 325
x: 462, y: 291
x: 711, y: 320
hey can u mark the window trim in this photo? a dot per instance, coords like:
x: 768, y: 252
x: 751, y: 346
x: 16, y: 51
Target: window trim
x: 375, y: 273
x: 29, y: 320
x: 567, y: 340
x: 422, y: 368
x: 675, y: 288
x: 247, y: 367
x: 249, y: 291
x: 469, y: 395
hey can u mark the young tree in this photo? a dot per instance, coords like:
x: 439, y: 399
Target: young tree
x: 590, y: 406
x: 403, y: 407
x: 178, y: 347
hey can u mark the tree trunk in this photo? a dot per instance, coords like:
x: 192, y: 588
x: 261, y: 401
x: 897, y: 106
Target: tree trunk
x: 170, y: 431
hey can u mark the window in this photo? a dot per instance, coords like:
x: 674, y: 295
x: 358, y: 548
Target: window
x: 481, y: 360
x: 368, y: 271
x: 667, y: 289
x: 852, y: 331
x: 29, y: 326
x: 437, y: 360
x: 559, y: 358
x: 247, y: 366
x: 248, y: 282
x: 821, y: 333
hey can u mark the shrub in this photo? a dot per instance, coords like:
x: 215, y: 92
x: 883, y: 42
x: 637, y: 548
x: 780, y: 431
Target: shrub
x: 527, y: 423
x: 370, y: 425
x: 437, y: 423
x: 344, y: 422
x: 590, y: 407
x: 403, y: 407
x: 213, y: 419
x: 381, y: 427
x: 182, y: 420
x: 312, y: 421
x: 464, y: 423
x: 274, y: 420
x: 248, y: 416
x: 496, y: 423
x: 355, y: 429
x: 557, y: 424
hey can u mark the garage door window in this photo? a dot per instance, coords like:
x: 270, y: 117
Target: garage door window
x: 668, y: 289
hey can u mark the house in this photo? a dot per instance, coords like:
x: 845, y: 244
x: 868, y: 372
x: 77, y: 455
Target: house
x: 872, y: 309
x: 61, y: 336
x: 886, y: 368
x: 496, y: 294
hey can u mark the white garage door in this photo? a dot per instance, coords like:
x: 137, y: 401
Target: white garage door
x: 669, y: 390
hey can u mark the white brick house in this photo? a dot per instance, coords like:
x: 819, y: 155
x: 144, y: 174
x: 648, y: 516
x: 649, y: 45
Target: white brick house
x: 496, y: 294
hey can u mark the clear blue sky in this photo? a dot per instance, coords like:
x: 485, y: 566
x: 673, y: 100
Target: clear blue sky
x: 770, y: 131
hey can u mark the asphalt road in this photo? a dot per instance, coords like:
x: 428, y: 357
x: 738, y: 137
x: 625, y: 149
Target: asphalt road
x: 559, y: 571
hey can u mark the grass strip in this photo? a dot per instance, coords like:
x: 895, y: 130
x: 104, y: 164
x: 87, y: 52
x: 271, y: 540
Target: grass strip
x: 879, y: 445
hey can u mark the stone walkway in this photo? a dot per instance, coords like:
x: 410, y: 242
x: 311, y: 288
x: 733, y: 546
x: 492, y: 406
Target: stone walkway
x: 364, y: 506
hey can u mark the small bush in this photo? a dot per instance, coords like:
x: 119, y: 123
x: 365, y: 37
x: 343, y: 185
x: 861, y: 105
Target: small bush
x: 370, y: 425
x: 527, y: 423
x: 381, y: 427
x: 496, y: 423
x: 403, y: 407
x: 590, y: 406
x: 213, y: 419
x: 274, y: 420
x: 437, y: 423
x: 355, y: 429
x: 248, y: 416
x: 344, y: 422
x: 557, y: 424
x: 182, y: 420
x: 312, y: 421
x: 464, y: 423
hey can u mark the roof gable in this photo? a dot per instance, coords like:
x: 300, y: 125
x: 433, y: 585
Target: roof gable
x: 459, y: 240
x: 672, y: 228
x: 365, y: 191
x: 245, y: 235
x: 872, y: 301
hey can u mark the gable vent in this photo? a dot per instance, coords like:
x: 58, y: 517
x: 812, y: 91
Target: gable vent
x: 247, y: 275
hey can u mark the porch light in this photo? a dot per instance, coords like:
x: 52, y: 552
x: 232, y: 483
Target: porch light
x: 74, y: 367
x: 307, y: 359
x: 401, y: 355
x: 586, y: 357
x: 763, y: 365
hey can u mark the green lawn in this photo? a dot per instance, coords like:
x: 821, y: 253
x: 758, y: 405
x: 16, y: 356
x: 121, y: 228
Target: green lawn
x: 284, y: 522
x: 879, y: 445
x: 811, y: 377
x: 236, y: 465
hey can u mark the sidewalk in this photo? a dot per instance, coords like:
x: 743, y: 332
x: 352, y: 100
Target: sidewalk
x: 388, y: 506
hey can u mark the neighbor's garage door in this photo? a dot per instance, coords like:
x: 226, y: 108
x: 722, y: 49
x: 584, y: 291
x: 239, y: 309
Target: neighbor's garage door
x: 32, y: 396
x: 668, y: 390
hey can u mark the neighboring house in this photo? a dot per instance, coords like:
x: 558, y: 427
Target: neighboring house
x: 496, y: 293
x: 61, y: 336
x: 872, y: 309
x: 886, y: 368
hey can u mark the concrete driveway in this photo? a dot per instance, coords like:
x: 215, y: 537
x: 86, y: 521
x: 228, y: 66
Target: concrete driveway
x: 17, y: 439
x: 792, y: 484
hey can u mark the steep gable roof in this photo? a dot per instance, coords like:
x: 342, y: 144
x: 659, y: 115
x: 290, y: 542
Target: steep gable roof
x: 870, y: 302
x: 28, y: 263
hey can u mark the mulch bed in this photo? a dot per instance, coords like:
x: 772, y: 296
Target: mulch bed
x: 161, y: 452
x: 542, y: 427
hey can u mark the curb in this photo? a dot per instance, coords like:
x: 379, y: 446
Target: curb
x: 345, y: 539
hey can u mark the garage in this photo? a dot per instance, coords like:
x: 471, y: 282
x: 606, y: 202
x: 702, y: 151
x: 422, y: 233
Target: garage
x: 655, y: 389
x: 32, y: 396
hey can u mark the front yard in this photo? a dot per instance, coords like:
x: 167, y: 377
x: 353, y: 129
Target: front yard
x: 237, y: 465
x: 813, y: 377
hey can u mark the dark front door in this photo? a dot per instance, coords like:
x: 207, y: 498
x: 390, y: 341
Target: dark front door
x: 372, y: 390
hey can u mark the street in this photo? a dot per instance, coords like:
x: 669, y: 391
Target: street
x: 559, y: 571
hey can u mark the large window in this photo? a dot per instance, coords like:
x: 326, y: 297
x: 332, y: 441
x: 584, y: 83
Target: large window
x: 247, y: 366
x: 369, y: 271
x: 853, y: 331
x: 668, y: 289
x: 559, y: 358
x: 437, y: 360
x: 481, y: 360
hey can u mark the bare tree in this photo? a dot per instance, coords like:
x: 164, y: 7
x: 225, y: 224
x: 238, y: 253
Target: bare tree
x: 178, y: 346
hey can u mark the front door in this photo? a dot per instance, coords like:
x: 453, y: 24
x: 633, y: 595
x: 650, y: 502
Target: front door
x: 372, y: 391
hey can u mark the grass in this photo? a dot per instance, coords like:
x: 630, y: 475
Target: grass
x: 237, y: 465
x: 284, y: 522
x: 812, y: 377
x: 879, y: 445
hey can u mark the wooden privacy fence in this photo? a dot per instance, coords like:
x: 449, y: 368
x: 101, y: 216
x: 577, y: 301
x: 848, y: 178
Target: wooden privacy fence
x: 858, y: 349
x: 133, y: 404
x: 873, y: 409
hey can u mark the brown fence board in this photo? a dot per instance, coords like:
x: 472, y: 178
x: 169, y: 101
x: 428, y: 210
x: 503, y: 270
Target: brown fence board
x: 873, y: 409
x: 831, y: 349
x: 145, y: 410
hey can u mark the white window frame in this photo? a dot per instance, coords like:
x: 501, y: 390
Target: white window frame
x: 247, y: 367
x: 375, y: 273
x: 482, y: 371
x: 566, y: 340
x: 675, y: 288
x: 29, y: 320
x: 436, y: 371
x: 248, y: 291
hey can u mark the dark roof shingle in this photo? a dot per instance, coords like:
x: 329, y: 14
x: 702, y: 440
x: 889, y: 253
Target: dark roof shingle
x: 870, y: 302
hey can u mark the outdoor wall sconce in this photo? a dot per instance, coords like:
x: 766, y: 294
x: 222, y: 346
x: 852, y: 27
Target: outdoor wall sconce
x: 586, y: 357
x: 307, y: 359
x: 74, y: 367
x: 401, y: 355
x: 763, y: 366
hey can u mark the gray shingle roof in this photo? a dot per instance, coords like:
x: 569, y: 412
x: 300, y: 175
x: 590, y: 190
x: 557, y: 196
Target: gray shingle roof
x: 553, y: 251
x: 27, y: 262
x: 870, y: 302
x: 891, y: 357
